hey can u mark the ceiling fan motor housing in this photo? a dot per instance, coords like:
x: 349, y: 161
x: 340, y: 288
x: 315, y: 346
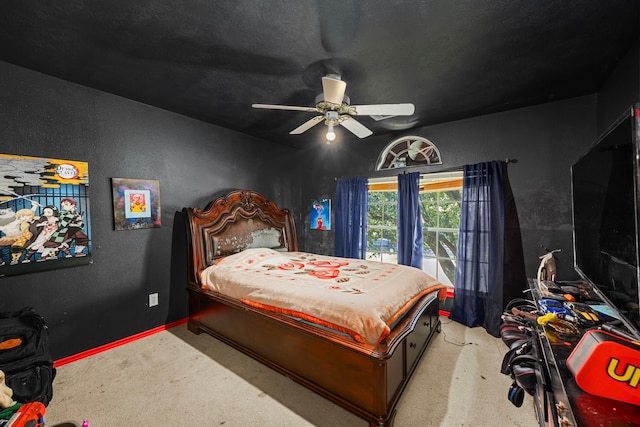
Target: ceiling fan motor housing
x: 324, y: 106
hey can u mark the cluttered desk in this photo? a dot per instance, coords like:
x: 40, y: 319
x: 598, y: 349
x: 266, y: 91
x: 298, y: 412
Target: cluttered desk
x: 580, y: 362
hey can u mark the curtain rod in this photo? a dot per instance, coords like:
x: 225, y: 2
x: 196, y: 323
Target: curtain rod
x: 451, y: 169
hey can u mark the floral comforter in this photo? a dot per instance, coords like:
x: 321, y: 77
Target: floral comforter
x: 358, y: 297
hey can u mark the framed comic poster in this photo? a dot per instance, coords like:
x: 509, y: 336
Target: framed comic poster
x: 44, y: 214
x: 321, y: 214
x: 136, y: 203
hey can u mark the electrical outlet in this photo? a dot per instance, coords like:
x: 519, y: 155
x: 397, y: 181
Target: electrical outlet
x: 153, y: 300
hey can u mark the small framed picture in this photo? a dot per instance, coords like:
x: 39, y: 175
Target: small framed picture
x: 321, y: 214
x: 136, y: 203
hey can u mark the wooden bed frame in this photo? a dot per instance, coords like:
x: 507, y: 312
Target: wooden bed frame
x: 366, y: 380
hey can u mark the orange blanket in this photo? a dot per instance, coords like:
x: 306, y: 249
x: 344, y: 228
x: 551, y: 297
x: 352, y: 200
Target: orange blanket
x: 358, y: 297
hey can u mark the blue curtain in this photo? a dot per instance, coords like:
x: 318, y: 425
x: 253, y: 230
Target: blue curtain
x: 478, y: 297
x: 351, y: 217
x: 409, y: 220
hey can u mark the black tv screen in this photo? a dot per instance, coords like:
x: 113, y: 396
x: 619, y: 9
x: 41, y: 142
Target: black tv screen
x: 605, y: 216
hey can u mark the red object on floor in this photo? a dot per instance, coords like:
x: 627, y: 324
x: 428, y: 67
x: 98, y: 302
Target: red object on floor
x: 448, y: 303
x: 28, y: 415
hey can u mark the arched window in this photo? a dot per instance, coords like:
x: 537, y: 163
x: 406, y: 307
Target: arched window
x: 408, y: 151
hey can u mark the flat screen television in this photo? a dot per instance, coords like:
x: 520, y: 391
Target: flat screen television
x: 605, y: 216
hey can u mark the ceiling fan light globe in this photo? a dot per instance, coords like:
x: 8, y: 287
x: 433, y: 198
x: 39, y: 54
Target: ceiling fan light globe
x: 331, y: 135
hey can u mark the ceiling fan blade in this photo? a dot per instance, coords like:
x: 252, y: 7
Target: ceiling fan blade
x: 357, y: 128
x: 384, y: 110
x: 333, y: 89
x: 307, y: 125
x: 285, y: 107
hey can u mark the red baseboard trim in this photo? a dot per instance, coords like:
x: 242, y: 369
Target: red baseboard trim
x: 123, y: 341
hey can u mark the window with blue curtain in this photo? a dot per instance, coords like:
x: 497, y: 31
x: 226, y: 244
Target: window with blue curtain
x: 439, y: 195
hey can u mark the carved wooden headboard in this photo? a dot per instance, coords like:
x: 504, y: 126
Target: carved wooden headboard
x: 242, y: 219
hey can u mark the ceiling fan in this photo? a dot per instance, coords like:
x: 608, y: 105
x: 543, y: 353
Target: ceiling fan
x: 335, y: 109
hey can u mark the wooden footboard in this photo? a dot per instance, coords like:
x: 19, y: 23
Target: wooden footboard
x: 367, y: 381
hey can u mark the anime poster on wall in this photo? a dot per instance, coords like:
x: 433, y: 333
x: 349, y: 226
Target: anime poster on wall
x: 136, y: 203
x: 321, y: 214
x: 44, y: 214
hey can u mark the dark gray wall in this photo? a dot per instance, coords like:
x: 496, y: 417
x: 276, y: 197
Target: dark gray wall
x: 620, y: 90
x: 92, y: 305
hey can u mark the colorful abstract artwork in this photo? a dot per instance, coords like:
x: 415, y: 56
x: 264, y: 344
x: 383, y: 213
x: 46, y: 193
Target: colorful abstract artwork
x: 136, y: 203
x: 44, y: 214
x: 321, y: 214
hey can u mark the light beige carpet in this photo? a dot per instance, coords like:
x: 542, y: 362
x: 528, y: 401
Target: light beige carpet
x: 176, y: 378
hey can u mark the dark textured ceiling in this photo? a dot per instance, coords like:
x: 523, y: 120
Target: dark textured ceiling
x: 212, y: 59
